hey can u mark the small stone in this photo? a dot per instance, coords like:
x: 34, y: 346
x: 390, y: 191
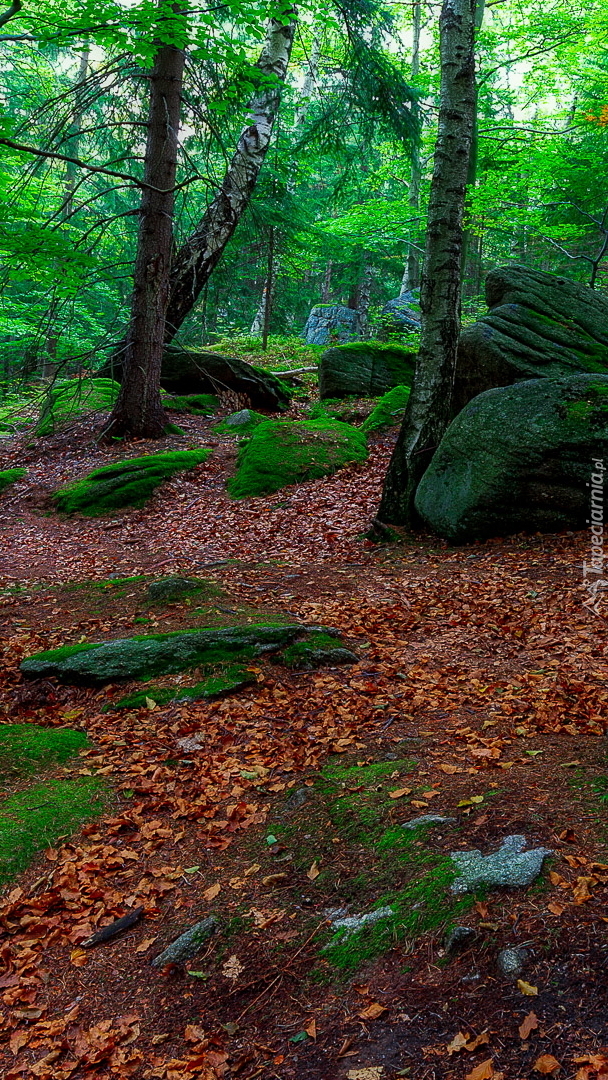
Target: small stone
x: 296, y: 800
x: 172, y: 588
x: 238, y: 419
x: 458, y: 938
x: 512, y: 962
x: 510, y: 865
x: 427, y: 819
x: 352, y: 923
x: 188, y: 944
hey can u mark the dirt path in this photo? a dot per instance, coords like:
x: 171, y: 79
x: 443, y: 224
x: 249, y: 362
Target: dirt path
x: 480, y: 695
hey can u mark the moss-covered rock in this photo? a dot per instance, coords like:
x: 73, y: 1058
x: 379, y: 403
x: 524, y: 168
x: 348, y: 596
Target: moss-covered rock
x: 144, y: 657
x: 364, y: 369
x: 538, y: 326
x: 176, y: 588
x: 317, y: 650
x: 518, y: 458
x: 239, y: 423
x: 390, y: 410
x: 190, y: 371
x: 224, y: 681
x: 10, y: 476
x: 281, y: 452
x: 125, y: 483
x: 73, y: 398
x: 198, y: 404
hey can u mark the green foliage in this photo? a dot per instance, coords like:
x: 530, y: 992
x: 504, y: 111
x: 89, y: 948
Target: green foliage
x: 26, y: 747
x: 10, y: 476
x: 281, y: 452
x: 72, y: 399
x: 125, y: 483
x: 389, y: 410
x: 198, y: 404
x: 35, y: 818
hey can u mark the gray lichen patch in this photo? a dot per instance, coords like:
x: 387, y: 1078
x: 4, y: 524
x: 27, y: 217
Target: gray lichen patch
x: 510, y: 865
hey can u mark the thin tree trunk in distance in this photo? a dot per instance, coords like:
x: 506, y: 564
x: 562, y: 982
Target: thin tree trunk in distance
x: 428, y: 412
x: 138, y: 412
x: 198, y: 257
x: 411, y: 274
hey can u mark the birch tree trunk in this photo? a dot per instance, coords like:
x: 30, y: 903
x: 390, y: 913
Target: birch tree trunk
x: 202, y: 251
x: 411, y: 273
x: 428, y: 412
x: 138, y: 412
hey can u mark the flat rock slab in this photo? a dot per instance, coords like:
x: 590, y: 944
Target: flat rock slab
x: 187, y: 945
x: 158, y: 654
x: 510, y: 865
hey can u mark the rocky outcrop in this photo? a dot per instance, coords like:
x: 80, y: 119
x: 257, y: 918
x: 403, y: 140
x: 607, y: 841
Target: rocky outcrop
x: 328, y: 323
x: 518, y: 458
x: 364, y: 369
x: 538, y: 326
x: 400, y: 316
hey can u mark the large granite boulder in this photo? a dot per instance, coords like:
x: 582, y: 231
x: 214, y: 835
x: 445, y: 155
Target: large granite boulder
x: 400, y: 316
x: 193, y: 371
x: 538, y: 326
x: 518, y: 458
x: 364, y: 369
x: 328, y: 323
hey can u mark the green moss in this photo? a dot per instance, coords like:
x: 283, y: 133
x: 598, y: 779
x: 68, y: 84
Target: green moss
x: 362, y: 812
x: 174, y: 429
x: 331, y: 408
x: 26, y: 747
x: 593, y: 407
x: 225, y: 428
x: 215, y: 685
x: 125, y: 483
x: 34, y: 819
x: 389, y: 410
x: 281, y: 452
x: 198, y: 404
x: 73, y: 398
x: 317, y: 649
x: 10, y: 476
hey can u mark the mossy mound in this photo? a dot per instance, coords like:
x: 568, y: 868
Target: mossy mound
x: 198, y: 404
x: 389, y: 410
x: 73, y: 398
x: 125, y: 483
x: 364, y: 369
x: 281, y: 452
x: 315, y: 651
x: 176, y: 588
x: 27, y: 747
x: 225, y: 681
x: 34, y: 819
x: 240, y: 423
x: 10, y: 476
x: 159, y: 654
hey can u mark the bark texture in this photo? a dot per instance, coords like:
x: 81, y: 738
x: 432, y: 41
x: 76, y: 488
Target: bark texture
x: 138, y: 412
x: 429, y: 408
x: 411, y: 273
x: 198, y: 257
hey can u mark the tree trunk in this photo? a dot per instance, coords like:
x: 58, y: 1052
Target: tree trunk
x: 428, y: 412
x: 411, y: 273
x: 138, y: 412
x: 364, y: 290
x: 199, y: 256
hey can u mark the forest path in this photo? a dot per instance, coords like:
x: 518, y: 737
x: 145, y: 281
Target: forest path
x: 481, y: 695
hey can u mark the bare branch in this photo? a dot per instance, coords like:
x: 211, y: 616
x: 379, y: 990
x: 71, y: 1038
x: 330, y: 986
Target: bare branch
x: 12, y: 10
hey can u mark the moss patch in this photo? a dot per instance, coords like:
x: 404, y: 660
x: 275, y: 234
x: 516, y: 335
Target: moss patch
x: 389, y: 410
x: 225, y: 681
x: 10, y: 476
x: 198, y: 404
x: 316, y: 650
x: 281, y: 452
x: 125, y: 483
x: 73, y: 398
x: 34, y: 819
x: 24, y: 748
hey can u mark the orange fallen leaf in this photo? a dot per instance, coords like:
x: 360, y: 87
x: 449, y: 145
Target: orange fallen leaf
x: 314, y: 871
x: 546, y: 1064
x: 399, y: 792
x: 555, y: 909
x: 450, y: 769
x: 311, y: 1030
x: 79, y: 957
x: 193, y: 1033
x: 527, y: 1025
x: 274, y: 879
x: 525, y: 988
x: 212, y: 891
x: 373, y: 1011
x: 145, y: 944
x: 485, y: 1071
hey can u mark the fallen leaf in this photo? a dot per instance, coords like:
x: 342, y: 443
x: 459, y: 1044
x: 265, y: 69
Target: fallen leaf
x: 194, y: 1034
x: 525, y: 988
x: 79, y: 957
x: 145, y: 944
x: 450, y: 769
x: 485, y: 1071
x: 373, y: 1011
x: 232, y: 968
x: 212, y: 891
x: 311, y: 1029
x: 374, y: 1072
x: 555, y: 909
x: 273, y: 879
x: 399, y: 792
x: 546, y: 1064
x: 527, y: 1025
x: 314, y: 871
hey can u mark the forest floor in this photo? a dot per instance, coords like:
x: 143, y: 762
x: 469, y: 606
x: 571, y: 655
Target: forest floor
x: 481, y: 694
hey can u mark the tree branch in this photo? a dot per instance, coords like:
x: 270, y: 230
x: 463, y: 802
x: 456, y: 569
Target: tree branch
x: 12, y: 10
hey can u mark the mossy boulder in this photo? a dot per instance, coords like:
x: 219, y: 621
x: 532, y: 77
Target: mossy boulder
x: 317, y: 650
x: 189, y: 371
x: 538, y: 326
x: 518, y: 458
x: 197, y: 404
x: 224, y: 681
x: 390, y: 410
x: 159, y: 654
x: 239, y: 423
x: 281, y: 452
x: 10, y: 476
x: 125, y: 483
x: 73, y: 398
x: 177, y: 588
x: 364, y: 369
